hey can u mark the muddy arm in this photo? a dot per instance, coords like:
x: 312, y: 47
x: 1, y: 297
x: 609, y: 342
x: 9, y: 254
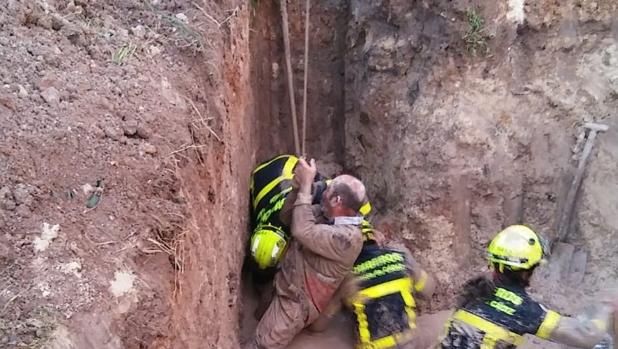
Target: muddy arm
x: 424, y: 284
x: 584, y: 331
x: 285, y: 215
x: 329, y: 241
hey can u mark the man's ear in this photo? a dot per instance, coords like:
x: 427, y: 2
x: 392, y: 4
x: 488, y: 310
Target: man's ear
x: 335, y: 200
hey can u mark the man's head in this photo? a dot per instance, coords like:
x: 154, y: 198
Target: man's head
x: 344, y: 196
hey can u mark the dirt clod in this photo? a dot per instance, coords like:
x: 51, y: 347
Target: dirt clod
x: 51, y: 96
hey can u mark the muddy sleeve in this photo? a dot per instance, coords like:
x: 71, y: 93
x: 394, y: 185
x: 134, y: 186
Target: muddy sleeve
x: 342, y: 297
x: 424, y: 284
x: 329, y: 241
x: 583, y: 331
x: 285, y: 215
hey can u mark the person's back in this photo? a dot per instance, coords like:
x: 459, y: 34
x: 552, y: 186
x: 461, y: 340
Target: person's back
x: 271, y: 181
x: 497, y: 312
x: 380, y: 292
x: 498, y: 319
x: 383, y: 305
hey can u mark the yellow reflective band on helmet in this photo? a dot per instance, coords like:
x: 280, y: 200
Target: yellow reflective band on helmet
x: 401, y: 286
x: 493, y: 332
x: 268, y: 244
x: 548, y: 325
x: 365, y: 209
x: 419, y: 285
x: 288, y: 173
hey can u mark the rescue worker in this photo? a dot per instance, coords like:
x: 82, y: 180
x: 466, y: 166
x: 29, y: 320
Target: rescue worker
x: 271, y: 182
x: 496, y: 312
x: 321, y: 253
x: 380, y: 292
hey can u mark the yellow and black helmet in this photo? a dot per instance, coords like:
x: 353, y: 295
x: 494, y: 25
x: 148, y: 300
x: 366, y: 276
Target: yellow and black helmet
x: 268, y: 244
x: 515, y: 248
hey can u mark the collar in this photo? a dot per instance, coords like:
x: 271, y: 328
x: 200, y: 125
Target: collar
x: 348, y: 220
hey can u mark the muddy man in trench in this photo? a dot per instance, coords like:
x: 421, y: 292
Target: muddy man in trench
x: 495, y: 312
x: 271, y: 182
x: 326, y: 242
x: 380, y: 292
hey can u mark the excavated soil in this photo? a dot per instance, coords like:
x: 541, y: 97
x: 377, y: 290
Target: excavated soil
x: 162, y: 107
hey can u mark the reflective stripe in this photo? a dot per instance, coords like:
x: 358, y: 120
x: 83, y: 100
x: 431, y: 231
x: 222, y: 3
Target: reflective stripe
x: 287, y: 173
x: 273, y: 160
x: 401, y: 286
x: 365, y: 209
x: 600, y: 324
x: 420, y: 284
x: 548, y: 325
x: 492, y: 331
x: 363, y: 326
x: 382, y: 343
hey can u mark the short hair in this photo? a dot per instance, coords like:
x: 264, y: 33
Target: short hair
x: 349, y: 198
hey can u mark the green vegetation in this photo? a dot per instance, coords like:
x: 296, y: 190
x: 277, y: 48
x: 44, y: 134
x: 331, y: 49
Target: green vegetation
x: 476, y: 38
x: 123, y: 53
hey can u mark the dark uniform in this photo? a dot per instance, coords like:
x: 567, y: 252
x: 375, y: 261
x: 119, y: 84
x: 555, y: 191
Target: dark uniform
x: 384, y: 305
x: 499, y: 321
x: 271, y: 182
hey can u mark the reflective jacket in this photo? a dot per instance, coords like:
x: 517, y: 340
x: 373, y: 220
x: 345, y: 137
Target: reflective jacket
x: 271, y: 181
x: 499, y: 320
x: 384, y: 304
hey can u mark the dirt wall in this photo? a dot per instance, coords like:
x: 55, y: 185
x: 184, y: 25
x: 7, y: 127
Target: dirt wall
x: 169, y: 104
x: 455, y: 146
x: 150, y: 101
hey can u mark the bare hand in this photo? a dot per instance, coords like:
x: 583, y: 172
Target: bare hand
x: 295, y: 184
x: 305, y: 174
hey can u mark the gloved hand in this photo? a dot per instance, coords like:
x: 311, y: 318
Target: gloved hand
x: 317, y: 191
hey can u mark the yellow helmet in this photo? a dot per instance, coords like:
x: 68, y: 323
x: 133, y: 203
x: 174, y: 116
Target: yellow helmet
x: 365, y: 209
x: 268, y: 244
x: 516, y: 248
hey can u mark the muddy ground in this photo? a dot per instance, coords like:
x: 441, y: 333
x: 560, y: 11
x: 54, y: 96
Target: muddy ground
x: 167, y: 104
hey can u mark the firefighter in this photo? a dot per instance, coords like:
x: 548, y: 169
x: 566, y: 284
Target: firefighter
x: 381, y: 292
x: 271, y: 183
x: 326, y: 242
x: 496, y: 312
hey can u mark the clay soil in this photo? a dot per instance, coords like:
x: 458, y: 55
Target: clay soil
x: 127, y: 100
x: 128, y: 130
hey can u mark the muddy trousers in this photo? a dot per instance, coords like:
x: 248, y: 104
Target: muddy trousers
x: 282, y: 321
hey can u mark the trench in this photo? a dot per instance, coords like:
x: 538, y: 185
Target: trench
x: 394, y: 99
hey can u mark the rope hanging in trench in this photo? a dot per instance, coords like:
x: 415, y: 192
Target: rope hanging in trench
x: 298, y: 146
x: 288, y: 64
x: 306, y: 61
